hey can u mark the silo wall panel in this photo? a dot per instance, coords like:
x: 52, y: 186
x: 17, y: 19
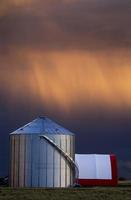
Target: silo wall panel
x: 21, y: 160
x: 35, y: 161
x: 72, y: 150
x: 57, y: 164
x: 68, y: 167
x: 63, y: 162
x: 43, y: 163
x: 72, y: 146
x: 12, y: 160
x: 28, y: 160
x: 50, y: 152
x: 16, y: 161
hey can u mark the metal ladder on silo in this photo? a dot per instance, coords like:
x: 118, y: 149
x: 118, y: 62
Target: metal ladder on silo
x: 65, y: 155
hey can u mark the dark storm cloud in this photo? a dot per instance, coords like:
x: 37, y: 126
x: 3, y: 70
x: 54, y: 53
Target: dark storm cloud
x: 53, y: 25
x: 82, y: 24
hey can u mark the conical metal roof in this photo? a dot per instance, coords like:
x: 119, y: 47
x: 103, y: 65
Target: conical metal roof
x: 42, y: 125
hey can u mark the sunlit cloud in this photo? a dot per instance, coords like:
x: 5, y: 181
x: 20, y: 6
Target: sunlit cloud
x: 8, y: 5
x: 70, y: 79
x: 66, y: 54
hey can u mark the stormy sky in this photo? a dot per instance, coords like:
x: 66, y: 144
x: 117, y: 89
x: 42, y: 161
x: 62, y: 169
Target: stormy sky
x: 71, y: 61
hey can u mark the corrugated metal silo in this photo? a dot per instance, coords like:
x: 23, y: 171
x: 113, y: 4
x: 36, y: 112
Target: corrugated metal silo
x: 42, y: 154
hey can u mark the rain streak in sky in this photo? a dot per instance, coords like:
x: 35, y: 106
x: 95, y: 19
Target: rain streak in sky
x: 69, y: 60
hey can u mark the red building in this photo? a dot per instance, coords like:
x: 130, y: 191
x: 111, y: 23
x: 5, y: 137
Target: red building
x: 97, y: 170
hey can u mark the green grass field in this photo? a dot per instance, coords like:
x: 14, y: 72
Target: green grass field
x: 123, y: 192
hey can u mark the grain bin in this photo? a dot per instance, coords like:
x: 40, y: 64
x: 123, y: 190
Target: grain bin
x: 42, y: 154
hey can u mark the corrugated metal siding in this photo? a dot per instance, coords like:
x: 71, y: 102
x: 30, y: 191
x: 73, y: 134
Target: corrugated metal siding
x: 43, y: 163
x: 28, y: 161
x: 36, y: 163
x: 21, y: 160
x: 57, y: 163
x: 16, y: 161
x: 68, y: 150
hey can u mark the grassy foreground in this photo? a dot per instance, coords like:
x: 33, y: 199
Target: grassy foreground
x: 96, y: 193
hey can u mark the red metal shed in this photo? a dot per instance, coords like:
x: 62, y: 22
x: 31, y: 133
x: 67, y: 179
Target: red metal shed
x: 97, y: 170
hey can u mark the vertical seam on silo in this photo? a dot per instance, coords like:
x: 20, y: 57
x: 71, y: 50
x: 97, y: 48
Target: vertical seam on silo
x: 14, y: 176
x: 53, y: 165
x: 12, y: 161
x: 60, y: 162
x: 73, y: 178
x: 25, y: 161
x: 70, y: 156
x: 31, y: 159
x: 18, y: 160
x: 75, y: 170
x: 39, y: 165
x: 66, y: 162
x: 10, y: 168
x: 70, y: 164
x: 9, y: 160
x: 46, y: 162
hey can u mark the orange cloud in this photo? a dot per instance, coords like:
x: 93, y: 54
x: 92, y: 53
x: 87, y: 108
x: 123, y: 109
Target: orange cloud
x: 7, y: 5
x: 70, y: 79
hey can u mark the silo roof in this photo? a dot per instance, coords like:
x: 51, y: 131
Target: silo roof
x: 42, y: 125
